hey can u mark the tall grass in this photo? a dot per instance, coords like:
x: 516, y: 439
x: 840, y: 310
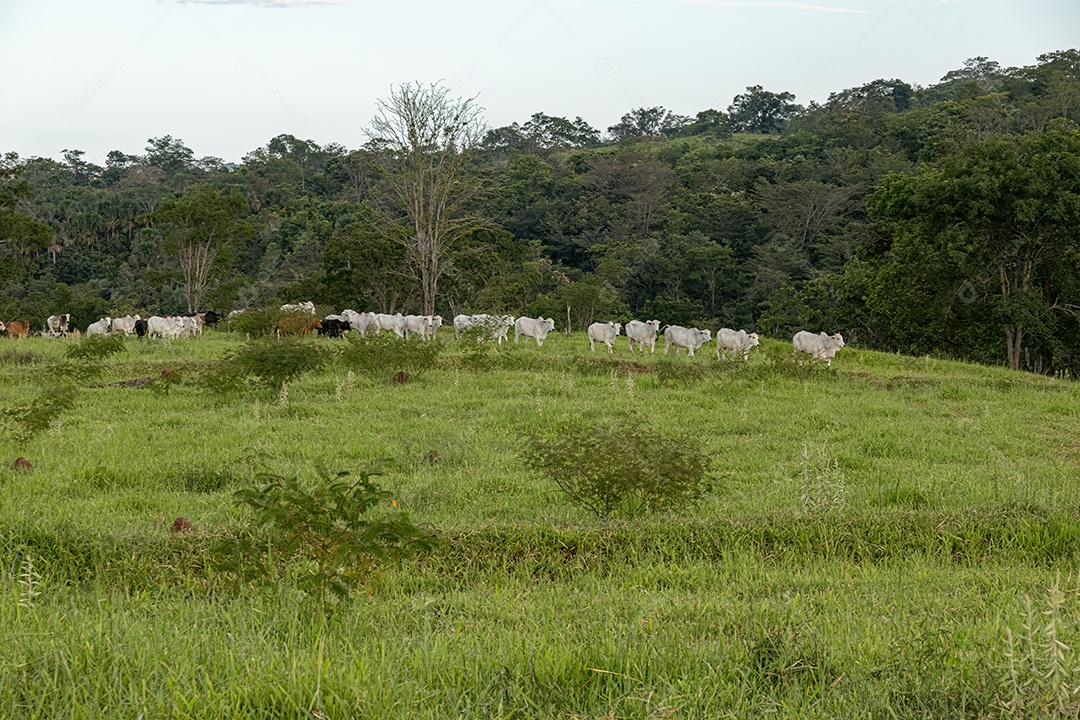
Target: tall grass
x: 892, y: 537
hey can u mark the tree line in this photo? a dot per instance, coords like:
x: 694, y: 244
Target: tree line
x: 939, y: 219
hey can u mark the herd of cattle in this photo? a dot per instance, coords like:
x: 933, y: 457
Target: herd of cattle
x: 493, y: 328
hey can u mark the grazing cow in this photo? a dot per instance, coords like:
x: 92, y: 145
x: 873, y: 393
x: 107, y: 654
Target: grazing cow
x: 536, y: 328
x: 297, y: 325
x: 211, y: 318
x: 360, y: 322
x: 418, y: 325
x: 689, y: 338
x: 141, y: 328
x: 604, y: 333
x: 57, y: 325
x: 18, y: 328
x: 738, y: 341
x: 236, y: 313
x: 642, y: 333
x: 307, y: 306
x: 818, y: 347
x: 101, y: 327
x: 163, y: 327
x: 334, y: 326
x: 124, y: 325
x: 395, y: 323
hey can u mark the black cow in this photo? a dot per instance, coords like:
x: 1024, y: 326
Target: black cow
x: 140, y: 328
x: 334, y: 327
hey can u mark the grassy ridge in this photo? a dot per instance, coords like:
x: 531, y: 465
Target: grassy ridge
x: 873, y: 539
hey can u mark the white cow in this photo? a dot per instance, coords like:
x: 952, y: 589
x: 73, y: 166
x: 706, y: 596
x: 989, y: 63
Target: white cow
x: 689, y: 338
x: 536, y: 328
x: 418, y: 325
x: 360, y: 322
x: 101, y: 327
x: 642, y: 333
x: 164, y: 327
x: 436, y: 323
x: 738, y: 341
x: 57, y: 325
x: 492, y: 327
x: 604, y: 333
x: 306, y: 306
x: 394, y: 323
x: 124, y: 325
x: 187, y: 326
x: 461, y: 324
x: 818, y: 347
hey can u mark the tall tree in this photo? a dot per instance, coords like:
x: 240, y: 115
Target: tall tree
x: 198, y: 226
x: 1007, y: 209
x: 423, y: 137
x: 647, y: 122
x: 20, y: 234
x: 758, y: 110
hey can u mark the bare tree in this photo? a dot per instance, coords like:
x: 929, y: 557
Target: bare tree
x: 421, y: 137
x: 197, y: 226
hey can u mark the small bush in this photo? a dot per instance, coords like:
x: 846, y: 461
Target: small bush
x: 385, y: 355
x: 678, y: 371
x: 266, y: 362
x: 330, y: 529
x: 98, y: 347
x: 29, y: 419
x: 620, y: 467
x: 19, y: 357
x: 256, y: 322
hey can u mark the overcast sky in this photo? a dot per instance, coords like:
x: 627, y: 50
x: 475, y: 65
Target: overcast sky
x: 226, y: 76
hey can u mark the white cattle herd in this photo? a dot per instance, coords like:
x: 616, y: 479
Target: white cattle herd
x: 484, y: 327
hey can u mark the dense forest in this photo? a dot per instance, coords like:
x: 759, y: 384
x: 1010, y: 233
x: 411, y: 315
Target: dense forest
x: 941, y: 219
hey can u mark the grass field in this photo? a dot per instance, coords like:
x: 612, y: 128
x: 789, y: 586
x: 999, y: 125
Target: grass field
x: 896, y: 537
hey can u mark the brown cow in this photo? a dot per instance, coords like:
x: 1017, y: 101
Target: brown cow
x: 18, y: 328
x: 297, y: 325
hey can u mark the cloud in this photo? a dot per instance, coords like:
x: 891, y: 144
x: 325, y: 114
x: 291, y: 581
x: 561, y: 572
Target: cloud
x: 263, y: 3
x: 793, y: 4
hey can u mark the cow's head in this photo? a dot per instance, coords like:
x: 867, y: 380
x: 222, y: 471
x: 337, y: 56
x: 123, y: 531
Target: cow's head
x: 753, y: 337
x: 618, y: 327
x: 839, y: 339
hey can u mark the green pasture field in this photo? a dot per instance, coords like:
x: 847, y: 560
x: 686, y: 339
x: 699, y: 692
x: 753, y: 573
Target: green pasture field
x: 894, y: 537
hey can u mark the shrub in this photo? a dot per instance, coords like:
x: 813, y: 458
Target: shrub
x: 330, y: 529
x: 256, y: 322
x: 622, y: 466
x: 385, y: 356
x: 98, y: 347
x: 29, y: 419
x: 269, y: 362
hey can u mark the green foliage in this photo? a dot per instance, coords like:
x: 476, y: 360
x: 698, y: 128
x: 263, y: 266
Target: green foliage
x: 254, y: 323
x: 622, y: 467
x: 96, y: 348
x: 265, y: 362
x: 383, y: 356
x: 332, y: 530
x: 27, y: 420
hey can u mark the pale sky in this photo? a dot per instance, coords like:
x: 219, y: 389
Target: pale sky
x: 226, y: 76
